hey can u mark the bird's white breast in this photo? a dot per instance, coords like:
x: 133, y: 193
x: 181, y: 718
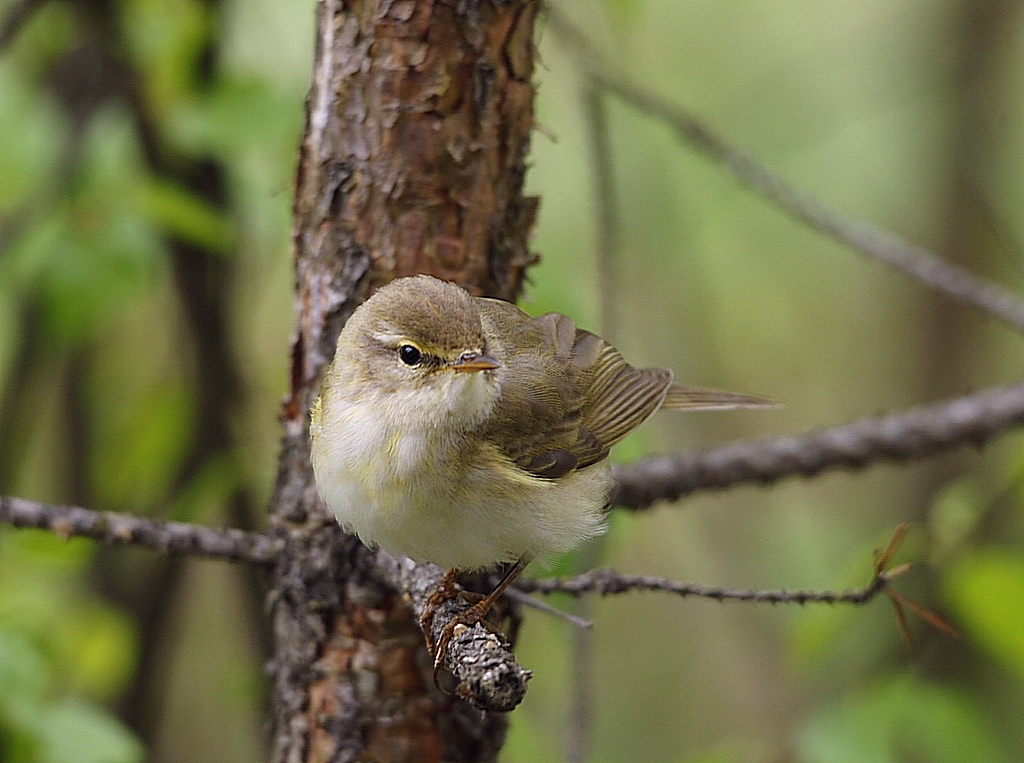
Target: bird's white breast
x: 400, y: 472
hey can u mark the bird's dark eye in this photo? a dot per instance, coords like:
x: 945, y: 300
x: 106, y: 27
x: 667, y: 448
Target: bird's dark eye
x: 409, y: 355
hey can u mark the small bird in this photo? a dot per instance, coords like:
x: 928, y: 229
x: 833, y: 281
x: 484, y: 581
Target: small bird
x: 462, y: 431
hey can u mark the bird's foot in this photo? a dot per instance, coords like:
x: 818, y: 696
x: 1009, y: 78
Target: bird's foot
x: 446, y: 590
x: 465, y: 619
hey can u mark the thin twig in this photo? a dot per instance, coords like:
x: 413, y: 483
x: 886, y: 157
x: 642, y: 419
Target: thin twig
x: 605, y: 581
x: 126, y: 529
x: 865, y: 237
x: 521, y: 597
x: 911, y: 434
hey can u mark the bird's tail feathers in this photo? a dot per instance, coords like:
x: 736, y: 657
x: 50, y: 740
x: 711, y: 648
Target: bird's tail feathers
x: 681, y: 397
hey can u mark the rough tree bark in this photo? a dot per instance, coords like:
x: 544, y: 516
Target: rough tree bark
x: 418, y: 123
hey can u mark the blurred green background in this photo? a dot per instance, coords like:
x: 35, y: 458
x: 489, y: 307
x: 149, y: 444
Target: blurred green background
x: 147, y: 150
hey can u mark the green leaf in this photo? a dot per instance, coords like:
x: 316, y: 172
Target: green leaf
x: 42, y: 550
x: 34, y: 728
x: 900, y: 719
x: 25, y: 679
x: 986, y: 590
x: 190, y: 218
x: 139, y: 446
x: 95, y: 249
x: 97, y: 648
x: 953, y: 517
x: 24, y: 672
x: 241, y: 115
x: 80, y: 732
x: 621, y: 12
x: 203, y: 497
x: 32, y: 131
x: 166, y: 38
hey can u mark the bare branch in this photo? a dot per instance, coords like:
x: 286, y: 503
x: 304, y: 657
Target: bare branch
x: 606, y: 581
x: 916, y: 261
x: 124, y: 529
x: 519, y: 597
x: 902, y: 436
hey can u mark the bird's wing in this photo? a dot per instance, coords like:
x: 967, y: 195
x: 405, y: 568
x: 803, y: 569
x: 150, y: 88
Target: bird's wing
x: 567, y: 395
x: 621, y: 396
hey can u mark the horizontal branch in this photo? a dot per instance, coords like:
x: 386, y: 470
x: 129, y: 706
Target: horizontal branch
x: 911, y: 434
x: 919, y: 263
x: 606, y: 581
x: 125, y: 529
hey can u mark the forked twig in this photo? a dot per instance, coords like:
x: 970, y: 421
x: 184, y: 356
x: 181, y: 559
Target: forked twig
x: 606, y: 581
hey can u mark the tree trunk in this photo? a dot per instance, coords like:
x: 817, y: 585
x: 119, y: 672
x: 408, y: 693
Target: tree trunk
x: 418, y: 123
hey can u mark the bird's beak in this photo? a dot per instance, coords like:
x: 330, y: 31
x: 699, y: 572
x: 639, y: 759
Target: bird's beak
x: 475, y: 361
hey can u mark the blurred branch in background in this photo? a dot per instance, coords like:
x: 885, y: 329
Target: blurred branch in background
x: 17, y: 16
x: 607, y: 256
x: 915, y: 261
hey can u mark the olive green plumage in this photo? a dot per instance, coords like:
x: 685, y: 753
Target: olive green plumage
x: 463, y: 431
